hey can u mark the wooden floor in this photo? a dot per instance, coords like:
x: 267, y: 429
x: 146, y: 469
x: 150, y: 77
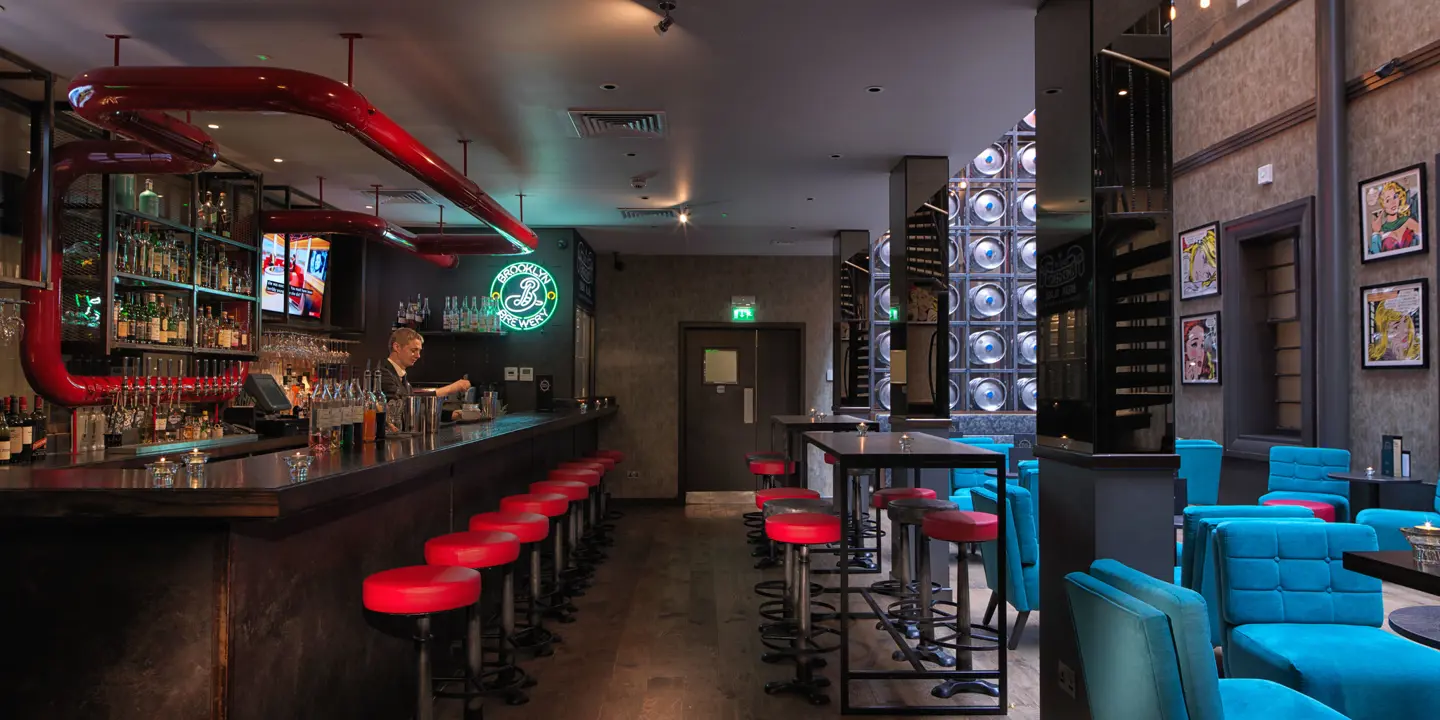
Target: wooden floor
x: 668, y: 632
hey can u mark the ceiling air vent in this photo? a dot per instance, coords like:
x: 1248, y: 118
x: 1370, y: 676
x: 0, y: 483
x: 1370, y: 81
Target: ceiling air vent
x: 400, y: 197
x: 646, y: 213
x: 618, y: 123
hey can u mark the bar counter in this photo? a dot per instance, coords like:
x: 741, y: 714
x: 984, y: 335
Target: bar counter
x: 240, y: 598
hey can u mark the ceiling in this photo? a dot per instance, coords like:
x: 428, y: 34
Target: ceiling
x: 758, y: 95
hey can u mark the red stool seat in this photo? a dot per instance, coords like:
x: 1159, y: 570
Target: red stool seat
x: 1323, y: 510
x: 803, y: 528
x: 785, y: 493
x: 474, y: 549
x: 421, y: 589
x: 830, y: 459
x: 527, y: 527
x: 616, y: 455
x: 572, y: 489
x: 881, y: 499
x: 960, y: 526
x: 609, y: 463
x: 548, y: 504
x: 591, y: 465
x: 754, y: 455
x: 771, y: 467
x: 589, y: 477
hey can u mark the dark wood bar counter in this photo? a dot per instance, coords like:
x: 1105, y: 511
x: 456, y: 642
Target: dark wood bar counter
x: 240, y: 598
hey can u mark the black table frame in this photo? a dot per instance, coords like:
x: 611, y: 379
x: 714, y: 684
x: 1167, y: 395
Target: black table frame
x: 1393, y: 566
x: 975, y: 458
x: 792, y: 432
x: 1372, y: 488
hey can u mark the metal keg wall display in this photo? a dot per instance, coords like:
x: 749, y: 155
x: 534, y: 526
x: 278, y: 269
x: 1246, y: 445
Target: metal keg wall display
x: 991, y: 278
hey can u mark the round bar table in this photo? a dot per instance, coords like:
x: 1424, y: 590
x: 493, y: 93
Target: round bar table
x: 1420, y: 623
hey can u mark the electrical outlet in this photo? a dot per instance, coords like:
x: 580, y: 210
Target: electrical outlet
x: 1067, y: 679
x: 1265, y: 175
x: 632, y: 475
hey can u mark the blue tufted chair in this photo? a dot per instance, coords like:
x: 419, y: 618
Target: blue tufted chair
x: 1200, y: 466
x: 961, y: 481
x: 1144, y: 654
x: 1299, y: 473
x: 1387, y: 523
x: 1022, y: 554
x: 1291, y: 613
x: 1028, y: 475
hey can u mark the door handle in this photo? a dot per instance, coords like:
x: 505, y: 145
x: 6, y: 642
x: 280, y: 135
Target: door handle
x: 749, y: 406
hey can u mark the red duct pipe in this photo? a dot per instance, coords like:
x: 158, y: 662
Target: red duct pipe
x: 118, y: 98
x: 40, y: 353
x: 353, y: 223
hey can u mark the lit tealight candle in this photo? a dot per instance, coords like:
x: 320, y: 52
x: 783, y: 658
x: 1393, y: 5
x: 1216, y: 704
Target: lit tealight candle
x: 1427, y: 526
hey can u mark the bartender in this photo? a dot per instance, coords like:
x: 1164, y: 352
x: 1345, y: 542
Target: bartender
x: 405, y: 346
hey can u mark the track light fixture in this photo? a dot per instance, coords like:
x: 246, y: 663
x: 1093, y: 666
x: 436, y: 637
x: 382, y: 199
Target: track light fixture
x: 663, y: 26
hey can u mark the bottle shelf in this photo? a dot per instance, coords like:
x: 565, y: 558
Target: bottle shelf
x: 223, y: 294
x: 228, y: 241
x: 225, y: 352
x: 173, y: 225
x: 144, y: 281
x: 151, y: 347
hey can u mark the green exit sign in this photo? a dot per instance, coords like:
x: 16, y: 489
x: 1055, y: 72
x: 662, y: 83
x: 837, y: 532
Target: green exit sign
x: 894, y: 314
x: 740, y: 313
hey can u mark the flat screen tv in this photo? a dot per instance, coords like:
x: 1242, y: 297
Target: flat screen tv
x: 305, y: 271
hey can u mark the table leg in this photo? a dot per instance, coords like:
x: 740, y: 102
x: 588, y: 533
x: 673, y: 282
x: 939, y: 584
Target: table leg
x: 843, y: 602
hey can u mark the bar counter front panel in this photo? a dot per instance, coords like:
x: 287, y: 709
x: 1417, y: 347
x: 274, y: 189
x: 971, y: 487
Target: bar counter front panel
x: 241, y: 598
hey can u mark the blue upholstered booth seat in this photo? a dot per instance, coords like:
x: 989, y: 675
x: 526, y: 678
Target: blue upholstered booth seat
x: 1204, y: 570
x: 1299, y: 473
x: 1387, y: 523
x: 1028, y: 475
x: 1294, y: 615
x: 1189, y: 531
x: 1200, y: 466
x: 1022, y: 550
x: 1144, y: 654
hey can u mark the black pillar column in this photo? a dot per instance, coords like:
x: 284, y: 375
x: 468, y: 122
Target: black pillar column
x: 1333, y: 249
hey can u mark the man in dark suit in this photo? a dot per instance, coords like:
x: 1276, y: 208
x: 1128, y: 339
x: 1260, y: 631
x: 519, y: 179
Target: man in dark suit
x: 405, y: 346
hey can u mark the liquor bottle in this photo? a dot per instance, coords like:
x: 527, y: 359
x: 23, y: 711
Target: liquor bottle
x: 400, y: 315
x: 223, y: 283
x: 368, y: 429
x: 122, y: 250
x: 182, y: 326
x: 157, y: 257
x: 317, y: 417
x: 27, y: 434
x: 425, y: 311
x: 152, y: 314
x: 474, y: 316
x: 40, y: 421
x: 380, y: 426
x: 222, y: 225
x: 343, y: 403
x: 445, y: 316
x: 122, y: 319
x: 13, y: 421
x: 206, y: 221
x: 356, y: 397
x: 5, y: 439
x: 149, y: 201
x: 337, y: 412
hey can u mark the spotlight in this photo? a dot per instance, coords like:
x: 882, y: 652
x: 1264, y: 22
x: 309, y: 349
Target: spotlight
x: 684, y: 216
x: 1204, y: 4
x: 213, y: 126
x: 666, y: 22
x: 1172, y: 12
x: 1124, y: 92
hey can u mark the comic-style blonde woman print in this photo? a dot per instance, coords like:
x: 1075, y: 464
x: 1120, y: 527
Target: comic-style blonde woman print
x: 1392, y: 223
x: 1199, y: 263
x: 1394, y: 335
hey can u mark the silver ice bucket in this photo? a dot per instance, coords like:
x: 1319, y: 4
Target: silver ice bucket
x: 420, y: 414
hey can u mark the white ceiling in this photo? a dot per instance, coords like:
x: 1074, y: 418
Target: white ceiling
x: 758, y: 94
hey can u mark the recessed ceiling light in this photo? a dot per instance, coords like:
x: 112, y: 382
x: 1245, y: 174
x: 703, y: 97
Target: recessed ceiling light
x: 609, y: 86
x: 792, y: 227
x: 1052, y: 91
x: 279, y: 160
x: 809, y: 199
x: 644, y: 197
x: 964, y: 184
x: 369, y: 207
x: 874, y: 89
x: 262, y: 57
x: 213, y: 126
x: 836, y: 156
x: 684, y: 216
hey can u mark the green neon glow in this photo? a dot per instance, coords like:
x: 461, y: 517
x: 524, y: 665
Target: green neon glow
x: 740, y: 313
x: 526, y: 294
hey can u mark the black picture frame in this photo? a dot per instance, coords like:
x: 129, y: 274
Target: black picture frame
x: 1214, y: 317
x: 1213, y: 291
x: 1367, y: 234
x: 1423, y: 329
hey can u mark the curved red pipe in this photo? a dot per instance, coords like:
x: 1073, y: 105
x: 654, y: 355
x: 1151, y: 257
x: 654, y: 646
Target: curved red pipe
x: 430, y: 244
x: 40, y: 353
x: 118, y: 98
x: 348, y: 222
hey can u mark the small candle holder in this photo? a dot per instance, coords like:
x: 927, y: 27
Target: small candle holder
x: 862, y: 429
x: 1425, y: 544
x: 905, y: 441
x: 1369, y: 473
x: 299, y: 465
x: 162, y: 472
x: 194, y: 462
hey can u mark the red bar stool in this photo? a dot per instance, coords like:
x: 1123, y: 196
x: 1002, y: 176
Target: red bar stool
x: 530, y: 529
x: 421, y: 591
x: 765, y: 471
x: 605, y: 512
x: 593, y: 514
x: 779, y: 607
x: 478, y: 550
x: 802, y: 643
x: 769, y: 559
x: 567, y: 573
x: 880, y: 500
x: 960, y: 527
x: 554, y: 604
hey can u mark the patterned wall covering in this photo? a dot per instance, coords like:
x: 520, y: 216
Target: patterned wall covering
x: 637, y: 341
x: 1388, y: 129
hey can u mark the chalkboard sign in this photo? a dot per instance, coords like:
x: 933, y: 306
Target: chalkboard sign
x: 584, y: 274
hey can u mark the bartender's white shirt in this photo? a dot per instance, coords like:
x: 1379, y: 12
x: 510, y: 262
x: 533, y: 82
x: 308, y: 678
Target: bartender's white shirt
x: 398, y: 370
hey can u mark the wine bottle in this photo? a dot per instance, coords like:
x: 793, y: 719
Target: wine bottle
x: 40, y: 420
x: 27, y: 434
x: 13, y: 421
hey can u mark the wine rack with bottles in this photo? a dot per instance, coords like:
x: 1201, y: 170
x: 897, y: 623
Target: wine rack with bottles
x: 180, y: 255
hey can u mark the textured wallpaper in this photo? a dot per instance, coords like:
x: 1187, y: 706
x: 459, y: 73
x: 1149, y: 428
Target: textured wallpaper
x: 1379, y: 30
x: 638, y: 318
x: 1195, y: 29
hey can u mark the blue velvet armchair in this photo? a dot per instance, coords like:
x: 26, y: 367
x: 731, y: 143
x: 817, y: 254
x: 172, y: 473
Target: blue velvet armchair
x: 1027, y: 474
x: 1299, y: 473
x: 1200, y: 466
x: 1387, y: 523
x: 1292, y: 614
x: 1022, y: 554
x: 961, y: 481
x: 1145, y: 653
